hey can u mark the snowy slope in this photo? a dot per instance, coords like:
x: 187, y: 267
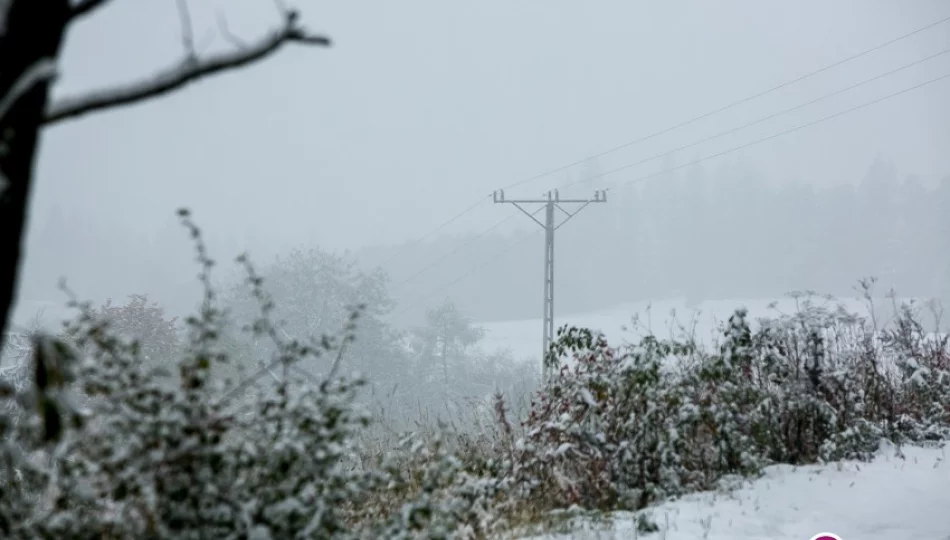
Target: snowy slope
x: 888, y: 499
x: 523, y: 337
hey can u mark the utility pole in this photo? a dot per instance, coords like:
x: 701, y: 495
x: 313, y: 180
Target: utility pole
x: 550, y: 203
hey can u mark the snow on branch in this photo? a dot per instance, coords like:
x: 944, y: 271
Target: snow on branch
x: 43, y: 70
x: 189, y: 69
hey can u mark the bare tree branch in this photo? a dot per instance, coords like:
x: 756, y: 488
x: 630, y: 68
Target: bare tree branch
x: 187, y: 70
x: 187, y: 34
x: 226, y: 32
x: 281, y: 6
x: 84, y: 7
x: 334, y: 368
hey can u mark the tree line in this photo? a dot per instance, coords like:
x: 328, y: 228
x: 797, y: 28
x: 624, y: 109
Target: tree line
x: 699, y: 234
x: 704, y: 234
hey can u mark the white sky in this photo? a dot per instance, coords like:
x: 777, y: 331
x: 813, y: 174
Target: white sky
x: 423, y: 106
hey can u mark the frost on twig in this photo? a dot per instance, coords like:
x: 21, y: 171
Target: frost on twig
x: 187, y: 70
x: 43, y: 70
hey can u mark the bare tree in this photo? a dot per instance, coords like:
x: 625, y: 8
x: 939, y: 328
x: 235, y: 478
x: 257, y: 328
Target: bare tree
x: 31, y: 38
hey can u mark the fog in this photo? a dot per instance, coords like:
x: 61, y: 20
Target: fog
x: 422, y: 108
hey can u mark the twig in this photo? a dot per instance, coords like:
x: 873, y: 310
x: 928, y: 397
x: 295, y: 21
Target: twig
x: 334, y: 368
x: 186, y: 71
x: 309, y: 376
x: 187, y: 33
x: 226, y: 32
x: 247, y: 382
x: 281, y: 7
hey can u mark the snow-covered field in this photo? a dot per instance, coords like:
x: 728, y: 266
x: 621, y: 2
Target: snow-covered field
x: 888, y: 499
x: 523, y: 337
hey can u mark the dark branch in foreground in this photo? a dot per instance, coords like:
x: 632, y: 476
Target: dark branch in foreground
x: 84, y: 7
x: 187, y: 70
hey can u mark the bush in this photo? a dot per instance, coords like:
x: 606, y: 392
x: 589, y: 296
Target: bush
x: 198, y: 460
x: 624, y: 427
x: 100, y: 440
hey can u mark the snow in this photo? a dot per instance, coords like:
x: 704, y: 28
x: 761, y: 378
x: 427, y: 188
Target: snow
x: 523, y: 337
x: 889, y: 498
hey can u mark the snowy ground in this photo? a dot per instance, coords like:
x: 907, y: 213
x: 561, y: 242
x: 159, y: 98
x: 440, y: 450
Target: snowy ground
x: 523, y: 337
x: 888, y: 499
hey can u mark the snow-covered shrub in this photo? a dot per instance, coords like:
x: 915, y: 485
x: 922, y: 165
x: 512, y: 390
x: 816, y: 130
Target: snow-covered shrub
x: 196, y: 459
x: 921, y: 409
x: 39, y: 407
x: 433, y: 493
x: 813, y: 382
x: 622, y: 427
x: 14, y: 371
x: 109, y: 446
x: 146, y: 324
x: 182, y: 461
x: 607, y: 432
x: 837, y: 384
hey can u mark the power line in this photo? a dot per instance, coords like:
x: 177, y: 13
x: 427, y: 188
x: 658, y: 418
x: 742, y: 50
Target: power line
x: 458, y: 248
x: 433, y: 231
x: 773, y: 136
x: 667, y: 130
x: 471, y: 271
x: 550, y: 225
x: 733, y: 104
x: 734, y: 149
x: 694, y: 162
x: 454, y: 251
x: 763, y: 119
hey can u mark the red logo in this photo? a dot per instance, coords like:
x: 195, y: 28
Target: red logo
x: 825, y: 536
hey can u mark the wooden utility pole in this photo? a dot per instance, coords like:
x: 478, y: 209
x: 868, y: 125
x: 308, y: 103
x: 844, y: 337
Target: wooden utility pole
x: 550, y: 203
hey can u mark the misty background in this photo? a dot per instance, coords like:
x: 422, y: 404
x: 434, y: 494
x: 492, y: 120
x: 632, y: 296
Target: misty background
x: 422, y: 108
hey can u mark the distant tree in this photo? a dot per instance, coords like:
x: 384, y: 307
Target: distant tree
x: 652, y: 251
x: 145, y: 323
x: 877, y: 204
x: 444, y: 340
x: 839, y: 224
x: 698, y: 236
x: 904, y: 261
x: 593, y: 223
x: 31, y: 40
x: 941, y: 263
x: 798, y: 245
x: 315, y: 292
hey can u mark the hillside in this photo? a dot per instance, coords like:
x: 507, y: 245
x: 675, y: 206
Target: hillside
x: 523, y: 337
